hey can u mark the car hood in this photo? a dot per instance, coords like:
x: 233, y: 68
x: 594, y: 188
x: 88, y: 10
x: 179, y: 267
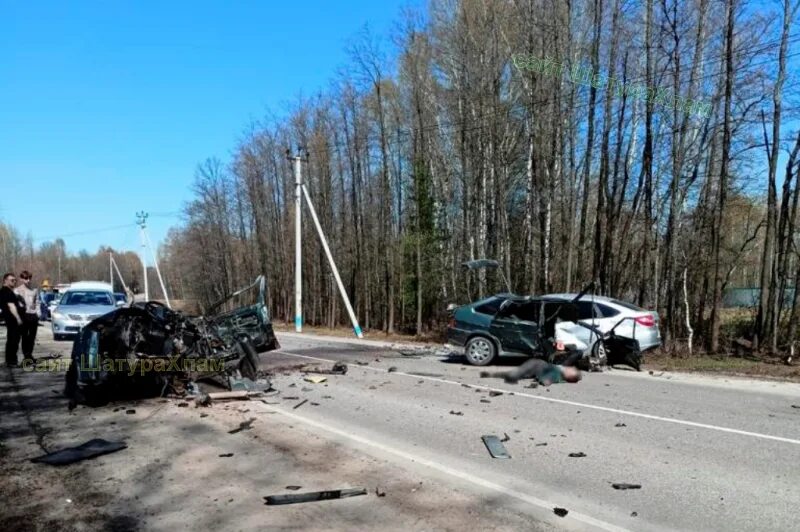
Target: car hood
x: 85, y: 310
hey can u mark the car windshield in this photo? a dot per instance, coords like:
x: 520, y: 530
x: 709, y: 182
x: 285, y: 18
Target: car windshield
x: 87, y: 297
x: 119, y: 297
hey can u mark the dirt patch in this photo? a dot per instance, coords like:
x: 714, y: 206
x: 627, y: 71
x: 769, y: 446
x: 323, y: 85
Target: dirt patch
x: 723, y: 365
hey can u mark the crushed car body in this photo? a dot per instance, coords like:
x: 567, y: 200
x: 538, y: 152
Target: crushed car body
x: 549, y: 327
x: 150, y: 350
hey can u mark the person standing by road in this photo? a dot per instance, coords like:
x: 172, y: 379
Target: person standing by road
x: 13, y: 318
x: 30, y: 315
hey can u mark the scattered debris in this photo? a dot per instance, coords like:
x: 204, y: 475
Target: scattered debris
x: 453, y: 412
x: 301, y: 403
x: 485, y: 401
x: 291, y: 398
x: 314, y: 404
x: 315, y: 379
x: 361, y: 363
x: 224, y: 396
x: 293, y: 488
x: 313, y: 496
x: 577, y: 455
x: 625, y: 486
x: 795, y: 406
x: 392, y: 369
x: 244, y: 425
x: 541, y: 444
x: 561, y: 512
x: 202, y: 400
x: 495, y: 447
x: 634, y: 514
x: 379, y: 492
x: 339, y: 368
x: 226, y: 455
x: 506, y: 437
x: 494, y: 393
x: 70, y: 455
x: 424, y: 374
x: 203, y: 415
x: 130, y: 411
x: 183, y: 404
x: 620, y: 425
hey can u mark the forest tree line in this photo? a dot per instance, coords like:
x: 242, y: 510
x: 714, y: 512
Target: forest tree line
x: 429, y: 148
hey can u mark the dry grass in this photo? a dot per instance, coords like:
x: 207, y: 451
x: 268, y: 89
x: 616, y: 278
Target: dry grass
x: 770, y: 368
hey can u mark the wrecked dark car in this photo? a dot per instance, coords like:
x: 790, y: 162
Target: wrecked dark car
x: 541, y: 327
x: 149, y: 350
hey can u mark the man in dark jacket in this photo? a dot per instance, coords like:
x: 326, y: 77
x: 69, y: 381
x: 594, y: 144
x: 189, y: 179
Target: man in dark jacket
x: 544, y: 372
x: 13, y: 318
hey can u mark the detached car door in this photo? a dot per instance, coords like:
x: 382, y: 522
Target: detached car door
x: 244, y: 314
x: 516, y: 326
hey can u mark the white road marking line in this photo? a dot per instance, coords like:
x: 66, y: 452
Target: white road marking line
x: 573, y: 403
x: 438, y: 466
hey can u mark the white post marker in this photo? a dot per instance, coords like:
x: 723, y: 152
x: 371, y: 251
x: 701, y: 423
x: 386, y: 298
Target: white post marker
x: 298, y: 253
x: 158, y: 271
x: 142, y: 221
x: 356, y: 327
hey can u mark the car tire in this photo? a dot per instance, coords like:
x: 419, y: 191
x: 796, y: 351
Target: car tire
x: 599, y: 355
x: 480, y: 351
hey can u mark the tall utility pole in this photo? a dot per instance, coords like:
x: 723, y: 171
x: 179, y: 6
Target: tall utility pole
x: 111, y: 271
x: 298, y: 250
x: 142, y: 221
x: 301, y: 189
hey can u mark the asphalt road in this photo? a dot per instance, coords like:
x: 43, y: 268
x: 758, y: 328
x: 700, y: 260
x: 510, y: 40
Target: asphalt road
x: 709, y: 454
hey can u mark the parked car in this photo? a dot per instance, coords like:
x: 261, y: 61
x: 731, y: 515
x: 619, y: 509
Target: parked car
x: 510, y: 325
x: 81, y: 303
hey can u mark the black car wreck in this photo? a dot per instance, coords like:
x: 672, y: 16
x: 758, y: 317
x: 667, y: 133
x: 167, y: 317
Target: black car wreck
x: 148, y: 350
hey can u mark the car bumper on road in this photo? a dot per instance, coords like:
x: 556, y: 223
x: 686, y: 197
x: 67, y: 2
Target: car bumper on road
x: 67, y: 327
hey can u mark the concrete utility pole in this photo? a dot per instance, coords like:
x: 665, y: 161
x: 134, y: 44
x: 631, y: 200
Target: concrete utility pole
x: 158, y: 271
x: 298, y: 250
x: 142, y: 221
x: 300, y: 189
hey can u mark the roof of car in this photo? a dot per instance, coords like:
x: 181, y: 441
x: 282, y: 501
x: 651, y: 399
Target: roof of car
x: 585, y: 297
x: 89, y: 285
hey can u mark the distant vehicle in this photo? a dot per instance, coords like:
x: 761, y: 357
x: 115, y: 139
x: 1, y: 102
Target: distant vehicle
x: 45, y: 298
x: 511, y: 325
x: 81, y: 303
x: 120, y: 297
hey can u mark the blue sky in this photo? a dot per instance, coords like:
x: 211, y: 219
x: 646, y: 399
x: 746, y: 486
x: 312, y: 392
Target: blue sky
x: 107, y: 107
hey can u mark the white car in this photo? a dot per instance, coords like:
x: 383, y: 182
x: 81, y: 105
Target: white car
x: 605, y: 313
x: 81, y: 303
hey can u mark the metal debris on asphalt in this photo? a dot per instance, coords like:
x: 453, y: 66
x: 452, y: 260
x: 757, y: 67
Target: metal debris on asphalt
x: 379, y: 492
x: 506, y: 437
x: 625, y: 486
x: 495, y: 447
x: 561, y: 512
x: 292, y: 498
x: 301, y: 403
x: 130, y: 411
x: 392, y: 369
x: 70, y: 455
x: 293, y: 488
x: 315, y: 379
x: 226, y: 455
x: 620, y: 425
x: 494, y: 393
x: 577, y: 455
x: 453, y: 412
x: 244, y: 425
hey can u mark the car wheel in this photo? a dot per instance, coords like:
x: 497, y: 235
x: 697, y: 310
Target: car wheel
x: 480, y: 351
x: 599, y: 355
